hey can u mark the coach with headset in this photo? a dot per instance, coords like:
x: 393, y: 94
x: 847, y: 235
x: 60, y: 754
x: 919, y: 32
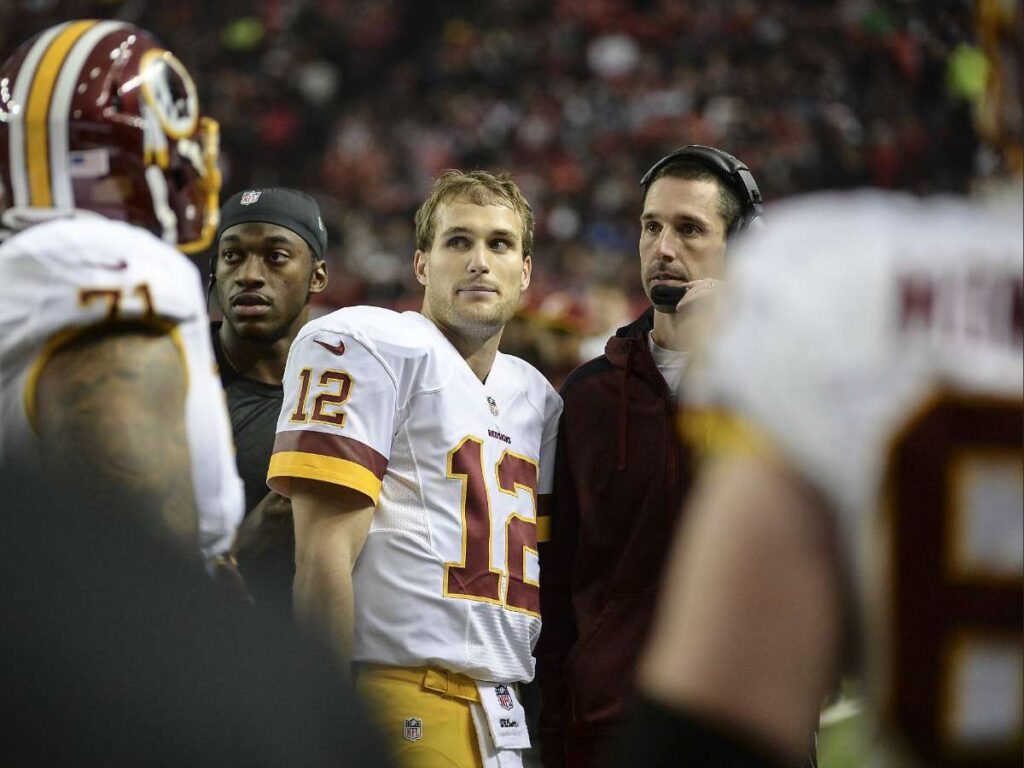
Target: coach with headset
x: 620, y: 471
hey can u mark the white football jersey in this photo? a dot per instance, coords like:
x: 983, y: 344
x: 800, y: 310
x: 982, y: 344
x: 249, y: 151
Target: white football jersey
x: 68, y: 275
x: 875, y: 341
x: 381, y: 402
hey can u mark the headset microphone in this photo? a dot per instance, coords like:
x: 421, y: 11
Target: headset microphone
x: 732, y: 172
x: 665, y: 297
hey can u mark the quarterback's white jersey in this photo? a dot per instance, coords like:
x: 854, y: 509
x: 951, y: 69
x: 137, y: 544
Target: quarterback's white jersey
x: 381, y: 402
x: 875, y: 341
x: 66, y: 276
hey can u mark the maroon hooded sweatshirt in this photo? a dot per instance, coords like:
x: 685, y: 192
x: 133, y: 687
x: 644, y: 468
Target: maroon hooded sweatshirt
x: 619, y: 480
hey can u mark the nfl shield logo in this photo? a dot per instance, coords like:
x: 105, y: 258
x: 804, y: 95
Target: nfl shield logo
x: 504, y: 697
x: 250, y: 197
x: 492, y: 405
x: 412, y: 729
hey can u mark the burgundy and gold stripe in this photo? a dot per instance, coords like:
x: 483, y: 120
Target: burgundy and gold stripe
x: 328, y: 458
x: 543, y: 529
x: 719, y: 432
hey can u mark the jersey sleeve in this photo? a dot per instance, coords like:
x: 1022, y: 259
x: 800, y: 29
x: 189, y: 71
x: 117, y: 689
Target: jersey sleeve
x: 83, y: 273
x: 338, y: 417
x: 63, y: 279
x: 549, y: 435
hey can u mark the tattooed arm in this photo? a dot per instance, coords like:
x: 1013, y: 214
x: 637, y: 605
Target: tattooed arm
x: 111, y: 416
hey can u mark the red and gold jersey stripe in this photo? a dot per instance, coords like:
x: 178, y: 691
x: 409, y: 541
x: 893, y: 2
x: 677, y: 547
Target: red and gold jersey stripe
x: 328, y: 458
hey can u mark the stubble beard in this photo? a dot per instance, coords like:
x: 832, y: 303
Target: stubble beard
x: 476, y: 323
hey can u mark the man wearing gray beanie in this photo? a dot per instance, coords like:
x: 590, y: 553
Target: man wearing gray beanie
x: 269, y: 261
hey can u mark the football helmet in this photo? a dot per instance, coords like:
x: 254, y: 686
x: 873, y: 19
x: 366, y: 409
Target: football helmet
x: 98, y: 116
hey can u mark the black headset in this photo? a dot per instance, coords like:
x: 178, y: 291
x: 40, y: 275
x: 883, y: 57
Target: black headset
x: 212, y: 279
x: 732, y: 171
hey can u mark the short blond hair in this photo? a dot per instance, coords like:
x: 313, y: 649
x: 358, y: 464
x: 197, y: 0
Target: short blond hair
x: 479, y: 188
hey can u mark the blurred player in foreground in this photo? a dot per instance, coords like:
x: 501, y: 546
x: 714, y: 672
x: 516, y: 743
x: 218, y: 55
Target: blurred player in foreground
x: 106, y: 369
x: 116, y: 651
x: 863, y: 396
x: 414, y: 453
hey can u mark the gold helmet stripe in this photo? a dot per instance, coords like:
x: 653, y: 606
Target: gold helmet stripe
x: 60, y: 111
x: 16, y: 138
x: 37, y: 135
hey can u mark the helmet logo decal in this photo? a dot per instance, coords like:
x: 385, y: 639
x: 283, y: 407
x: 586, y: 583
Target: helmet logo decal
x: 170, y: 106
x: 168, y: 91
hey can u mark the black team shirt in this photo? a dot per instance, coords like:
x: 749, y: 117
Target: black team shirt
x: 253, y: 407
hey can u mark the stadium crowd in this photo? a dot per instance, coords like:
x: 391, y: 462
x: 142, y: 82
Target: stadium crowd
x: 363, y: 103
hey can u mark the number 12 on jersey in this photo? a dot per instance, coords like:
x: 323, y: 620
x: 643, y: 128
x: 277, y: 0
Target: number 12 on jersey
x: 474, y: 578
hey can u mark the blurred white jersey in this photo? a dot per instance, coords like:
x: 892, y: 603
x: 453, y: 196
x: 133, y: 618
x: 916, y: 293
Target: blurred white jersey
x: 61, y: 278
x: 381, y: 402
x: 875, y: 340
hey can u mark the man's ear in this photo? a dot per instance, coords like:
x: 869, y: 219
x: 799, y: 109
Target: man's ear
x: 318, y: 280
x: 419, y: 266
x: 527, y: 272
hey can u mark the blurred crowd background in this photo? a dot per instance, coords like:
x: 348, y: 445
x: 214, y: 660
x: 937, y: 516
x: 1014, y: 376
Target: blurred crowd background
x: 363, y: 102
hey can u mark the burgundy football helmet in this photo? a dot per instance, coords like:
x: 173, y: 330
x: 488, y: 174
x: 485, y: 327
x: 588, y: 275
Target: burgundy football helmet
x: 98, y: 116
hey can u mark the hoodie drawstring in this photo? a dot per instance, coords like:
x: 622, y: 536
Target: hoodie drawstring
x: 624, y: 408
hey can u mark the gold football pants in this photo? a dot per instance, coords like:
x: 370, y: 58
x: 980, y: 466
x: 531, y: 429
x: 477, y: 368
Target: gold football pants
x: 423, y: 713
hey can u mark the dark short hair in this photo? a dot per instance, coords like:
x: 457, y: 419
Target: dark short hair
x: 730, y: 208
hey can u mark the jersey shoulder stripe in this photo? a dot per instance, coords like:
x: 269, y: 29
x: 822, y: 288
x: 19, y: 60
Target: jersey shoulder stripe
x: 329, y: 458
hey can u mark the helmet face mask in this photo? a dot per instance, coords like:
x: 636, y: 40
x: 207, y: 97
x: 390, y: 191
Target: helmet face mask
x: 97, y: 116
